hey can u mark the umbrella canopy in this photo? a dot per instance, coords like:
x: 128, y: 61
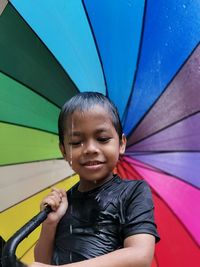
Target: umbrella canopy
x: 145, y: 56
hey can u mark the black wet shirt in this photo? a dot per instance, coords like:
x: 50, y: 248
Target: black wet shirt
x: 98, y: 221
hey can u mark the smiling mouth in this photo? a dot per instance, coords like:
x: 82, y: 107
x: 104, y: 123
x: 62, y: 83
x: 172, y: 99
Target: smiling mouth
x: 92, y: 163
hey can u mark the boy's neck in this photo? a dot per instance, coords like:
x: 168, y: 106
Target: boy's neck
x: 85, y: 185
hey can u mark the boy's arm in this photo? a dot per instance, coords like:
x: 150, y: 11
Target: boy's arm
x: 137, y: 252
x: 57, y: 199
x: 44, y: 248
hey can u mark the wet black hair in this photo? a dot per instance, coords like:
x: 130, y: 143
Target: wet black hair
x: 84, y: 101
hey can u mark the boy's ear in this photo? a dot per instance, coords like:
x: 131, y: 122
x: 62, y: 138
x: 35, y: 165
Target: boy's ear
x: 62, y: 149
x: 64, y: 153
x: 122, y: 145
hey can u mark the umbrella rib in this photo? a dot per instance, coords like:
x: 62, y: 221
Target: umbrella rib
x: 158, y: 170
x: 49, y: 186
x: 127, y: 171
x: 136, y: 67
x: 96, y: 45
x: 32, y: 161
x: 30, y: 88
x: 151, y: 152
x: 53, y: 56
x: 166, y: 87
x: 164, y: 128
x: 28, y: 127
x: 147, y: 167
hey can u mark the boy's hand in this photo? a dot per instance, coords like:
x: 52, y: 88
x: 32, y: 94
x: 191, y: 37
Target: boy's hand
x: 57, y: 200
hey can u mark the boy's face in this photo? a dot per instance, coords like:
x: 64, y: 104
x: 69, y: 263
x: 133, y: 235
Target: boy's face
x: 91, y: 144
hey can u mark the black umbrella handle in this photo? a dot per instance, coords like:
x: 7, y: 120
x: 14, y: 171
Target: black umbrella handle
x: 8, y: 254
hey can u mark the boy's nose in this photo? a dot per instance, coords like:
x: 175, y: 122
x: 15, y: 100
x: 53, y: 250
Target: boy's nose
x: 90, y: 147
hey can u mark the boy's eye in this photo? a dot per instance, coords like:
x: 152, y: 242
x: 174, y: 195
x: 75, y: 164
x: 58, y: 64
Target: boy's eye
x: 103, y: 139
x: 75, y: 143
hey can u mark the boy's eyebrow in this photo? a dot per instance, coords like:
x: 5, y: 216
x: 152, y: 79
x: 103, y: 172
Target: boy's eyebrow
x: 78, y: 133
x: 101, y: 130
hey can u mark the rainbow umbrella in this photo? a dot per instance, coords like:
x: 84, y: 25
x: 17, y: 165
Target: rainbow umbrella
x: 144, y: 55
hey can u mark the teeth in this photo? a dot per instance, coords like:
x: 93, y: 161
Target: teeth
x: 92, y: 163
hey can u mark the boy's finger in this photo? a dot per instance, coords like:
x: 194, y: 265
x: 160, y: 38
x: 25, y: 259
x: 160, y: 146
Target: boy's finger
x: 63, y: 192
x: 59, y: 191
x: 52, y: 201
x: 56, y: 194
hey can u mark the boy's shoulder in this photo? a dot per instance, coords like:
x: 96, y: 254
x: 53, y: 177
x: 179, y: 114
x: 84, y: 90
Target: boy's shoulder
x: 115, y: 187
x: 130, y: 186
x: 129, y: 182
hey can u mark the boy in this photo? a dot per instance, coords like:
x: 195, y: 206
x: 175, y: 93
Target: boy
x: 103, y: 220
